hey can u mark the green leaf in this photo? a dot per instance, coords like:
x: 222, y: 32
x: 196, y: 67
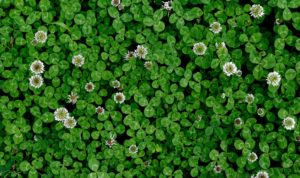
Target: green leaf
x: 93, y: 164
x: 192, y: 14
x: 264, y: 161
x: 177, y: 7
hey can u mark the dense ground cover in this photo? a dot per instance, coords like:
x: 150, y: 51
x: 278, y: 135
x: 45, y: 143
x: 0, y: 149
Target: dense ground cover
x: 145, y: 88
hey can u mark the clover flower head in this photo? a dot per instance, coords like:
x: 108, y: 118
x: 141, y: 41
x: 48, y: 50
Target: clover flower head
x: 215, y: 27
x: 297, y: 138
x: 110, y: 142
x: 148, y: 65
x: 61, y: 114
x: 262, y: 174
x: 239, y: 73
x: 119, y: 97
x: 89, y: 87
x: 78, y: 60
x: 252, y: 157
x: 70, y: 122
x: 261, y: 112
x: 238, y: 121
x: 72, y: 98
x: 129, y: 55
x: 217, y: 169
x: 167, y: 5
x: 199, y: 48
x: 256, y: 11
x: 133, y: 149
x: 273, y: 78
x: 116, y: 84
x: 115, y: 3
x: 220, y: 45
x: 289, y: 123
x: 249, y: 98
x: 229, y: 68
x: 141, y: 52
x: 100, y: 110
x: 36, y: 81
x: 40, y: 36
x: 37, y: 67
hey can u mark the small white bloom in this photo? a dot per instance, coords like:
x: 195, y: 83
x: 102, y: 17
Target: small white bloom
x: 148, y: 65
x: 239, y: 73
x: 256, y: 11
x: 252, y: 157
x: 238, y: 121
x: 100, y: 110
x: 36, y: 81
x: 37, y: 67
x: 116, y: 84
x: 89, y: 87
x: 220, y: 45
x: 260, y: 112
x: 215, y: 27
x: 61, y: 114
x: 273, y: 78
x: 262, y: 174
x: 119, y: 98
x: 40, y: 36
x: 141, y: 52
x: 249, y: 98
x: 133, y: 149
x: 229, y: 68
x: 167, y: 5
x: 277, y: 21
x: 78, y: 60
x: 217, y: 169
x: 72, y: 98
x: 199, y: 48
x: 110, y: 142
x: 115, y: 3
x: 70, y: 122
x: 289, y: 123
x: 129, y: 55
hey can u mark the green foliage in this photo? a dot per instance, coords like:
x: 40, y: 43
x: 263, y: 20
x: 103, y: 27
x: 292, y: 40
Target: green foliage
x: 158, y: 108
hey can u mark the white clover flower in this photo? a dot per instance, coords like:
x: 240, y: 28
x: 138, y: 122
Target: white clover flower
x: 289, y: 123
x: 256, y: 11
x: 167, y: 5
x: 115, y: 3
x: 70, y: 122
x: 252, y: 157
x: 116, y: 84
x: 215, y: 27
x: 133, y: 149
x: 119, y: 97
x: 199, y: 48
x: 262, y: 174
x: 89, y: 87
x: 61, y: 114
x: 249, y: 98
x: 260, y: 112
x: 273, y: 78
x: 40, y: 36
x: 37, y: 67
x: 72, y: 98
x: 238, y: 121
x: 148, y: 65
x: 141, y: 52
x: 239, y: 73
x: 229, y: 68
x: 110, y: 142
x: 100, y: 110
x: 217, y: 169
x: 36, y: 81
x: 129, y: 55
x: 78, y: 60
x: 220, y: 45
